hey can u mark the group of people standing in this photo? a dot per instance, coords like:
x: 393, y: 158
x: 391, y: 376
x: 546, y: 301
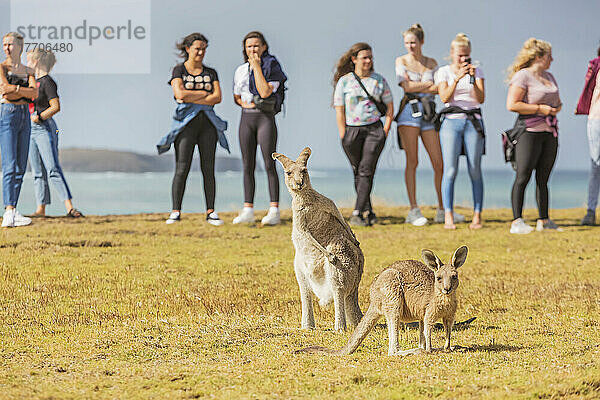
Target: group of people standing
x: 362, y: 98
x: 29, y: 100
x: 258, y: 89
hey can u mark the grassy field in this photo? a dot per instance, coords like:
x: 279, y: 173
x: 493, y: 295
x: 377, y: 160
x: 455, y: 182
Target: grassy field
x: 128, y: 307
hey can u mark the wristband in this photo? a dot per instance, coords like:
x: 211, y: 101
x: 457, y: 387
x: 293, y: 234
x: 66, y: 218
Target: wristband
x: 17, y: 89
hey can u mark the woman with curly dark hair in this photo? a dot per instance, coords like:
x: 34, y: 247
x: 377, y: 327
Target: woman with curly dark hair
x: 361, y: 98
x: 196, y: 89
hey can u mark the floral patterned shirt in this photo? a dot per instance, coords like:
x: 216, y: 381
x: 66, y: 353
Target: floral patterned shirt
x: 359, y: 109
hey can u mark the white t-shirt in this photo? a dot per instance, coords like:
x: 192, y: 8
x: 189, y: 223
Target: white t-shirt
x: 464, y: 94
x: 241, y: 83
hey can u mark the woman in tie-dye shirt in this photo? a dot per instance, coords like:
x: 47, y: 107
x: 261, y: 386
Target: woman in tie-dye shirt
x: 361, y: 131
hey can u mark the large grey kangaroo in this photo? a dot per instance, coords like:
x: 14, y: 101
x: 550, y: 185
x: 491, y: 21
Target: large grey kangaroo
x: 328, y: 262
x: 409, y: 291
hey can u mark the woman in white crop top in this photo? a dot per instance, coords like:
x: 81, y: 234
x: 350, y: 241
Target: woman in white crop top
x: 415, y: 75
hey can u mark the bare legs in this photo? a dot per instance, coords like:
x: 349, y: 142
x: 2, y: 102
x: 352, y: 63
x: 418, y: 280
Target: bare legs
x: 40, y: 211
x: 410, y: 142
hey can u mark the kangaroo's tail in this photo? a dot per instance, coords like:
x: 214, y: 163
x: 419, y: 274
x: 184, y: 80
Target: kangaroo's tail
x: 367, y: 323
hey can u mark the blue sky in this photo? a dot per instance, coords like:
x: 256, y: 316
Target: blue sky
x: 131, y: 112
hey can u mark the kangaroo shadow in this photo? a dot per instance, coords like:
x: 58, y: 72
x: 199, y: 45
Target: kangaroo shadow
x: 458, y: 326
x: 490, y: 348
x: 389, y: 220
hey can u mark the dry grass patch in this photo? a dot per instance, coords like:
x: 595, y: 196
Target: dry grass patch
x: 128, y: 307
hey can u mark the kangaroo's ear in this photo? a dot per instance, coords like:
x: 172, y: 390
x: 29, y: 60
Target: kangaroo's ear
x: 460, y: 256
x: 431, y: 260
x: 303, y: 157
x: 286, y: 162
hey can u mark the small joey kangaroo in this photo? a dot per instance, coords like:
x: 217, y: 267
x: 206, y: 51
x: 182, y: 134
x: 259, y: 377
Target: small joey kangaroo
x: 410, y: 291
x: 328, y: 262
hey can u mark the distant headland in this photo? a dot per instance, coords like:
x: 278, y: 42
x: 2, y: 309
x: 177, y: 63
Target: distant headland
x: 91, y: 160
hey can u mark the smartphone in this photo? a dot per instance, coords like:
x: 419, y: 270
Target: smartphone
x: 414, y: 105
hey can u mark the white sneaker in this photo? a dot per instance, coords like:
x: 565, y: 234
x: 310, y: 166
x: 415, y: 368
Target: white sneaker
x: 8, y: 219
x: 519, y: 226
x: 440, y: 217
x: 213, y: 219
x: 272, y: 217
x: 20, y: 220
x: 547, y: 226
x: 175, y: 216
x: 415, y: 217
x: 245, y: 217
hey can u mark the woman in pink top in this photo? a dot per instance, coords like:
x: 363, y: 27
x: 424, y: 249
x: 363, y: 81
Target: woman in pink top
x: 533, y: 94
x: 593, y: 131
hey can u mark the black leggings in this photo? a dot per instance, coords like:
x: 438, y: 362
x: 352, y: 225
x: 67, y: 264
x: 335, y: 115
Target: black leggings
x: 534, y: 150
x: 256, y: 127
x: 363, y: 145
x: 199, y: 131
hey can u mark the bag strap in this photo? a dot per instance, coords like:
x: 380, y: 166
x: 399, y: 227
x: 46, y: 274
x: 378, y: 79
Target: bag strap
x: 364, y: 88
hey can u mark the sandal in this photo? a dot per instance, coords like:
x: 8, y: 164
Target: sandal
x: 74, y: 213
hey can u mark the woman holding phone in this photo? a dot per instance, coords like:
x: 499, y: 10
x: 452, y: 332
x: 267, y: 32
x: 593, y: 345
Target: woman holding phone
x: 461, y: 88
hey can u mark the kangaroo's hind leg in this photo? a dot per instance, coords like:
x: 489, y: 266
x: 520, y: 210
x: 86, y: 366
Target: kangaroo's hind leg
x: 353, y: 313
x: 308, y: 317
x: 339, y: 309
x: 392, y: 319
x: 421, y: 335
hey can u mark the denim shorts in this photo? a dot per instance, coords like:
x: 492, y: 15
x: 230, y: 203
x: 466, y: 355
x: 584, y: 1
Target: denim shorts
x: 405, y: 118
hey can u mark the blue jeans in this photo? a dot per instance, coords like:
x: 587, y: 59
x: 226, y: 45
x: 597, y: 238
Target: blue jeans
x: 43, y: 158
x: 593, y: 131
x: 15, y: 128
x: 453, y: 134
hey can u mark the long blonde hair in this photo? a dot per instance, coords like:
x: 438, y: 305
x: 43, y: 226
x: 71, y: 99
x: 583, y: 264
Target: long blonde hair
x: 532, y: 49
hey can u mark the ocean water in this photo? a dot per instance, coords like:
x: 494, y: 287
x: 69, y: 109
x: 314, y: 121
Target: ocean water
x: 130, y: 193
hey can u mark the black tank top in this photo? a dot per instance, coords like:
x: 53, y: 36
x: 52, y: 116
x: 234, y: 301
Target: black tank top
x: 23, y: 81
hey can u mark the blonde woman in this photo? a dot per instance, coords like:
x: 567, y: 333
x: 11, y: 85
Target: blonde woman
x: 461, y: 88
x: 414, y: 72
x: 43, y: 146
x: 358, y: 90
x: 17, y: 89
x: 533, y: 94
